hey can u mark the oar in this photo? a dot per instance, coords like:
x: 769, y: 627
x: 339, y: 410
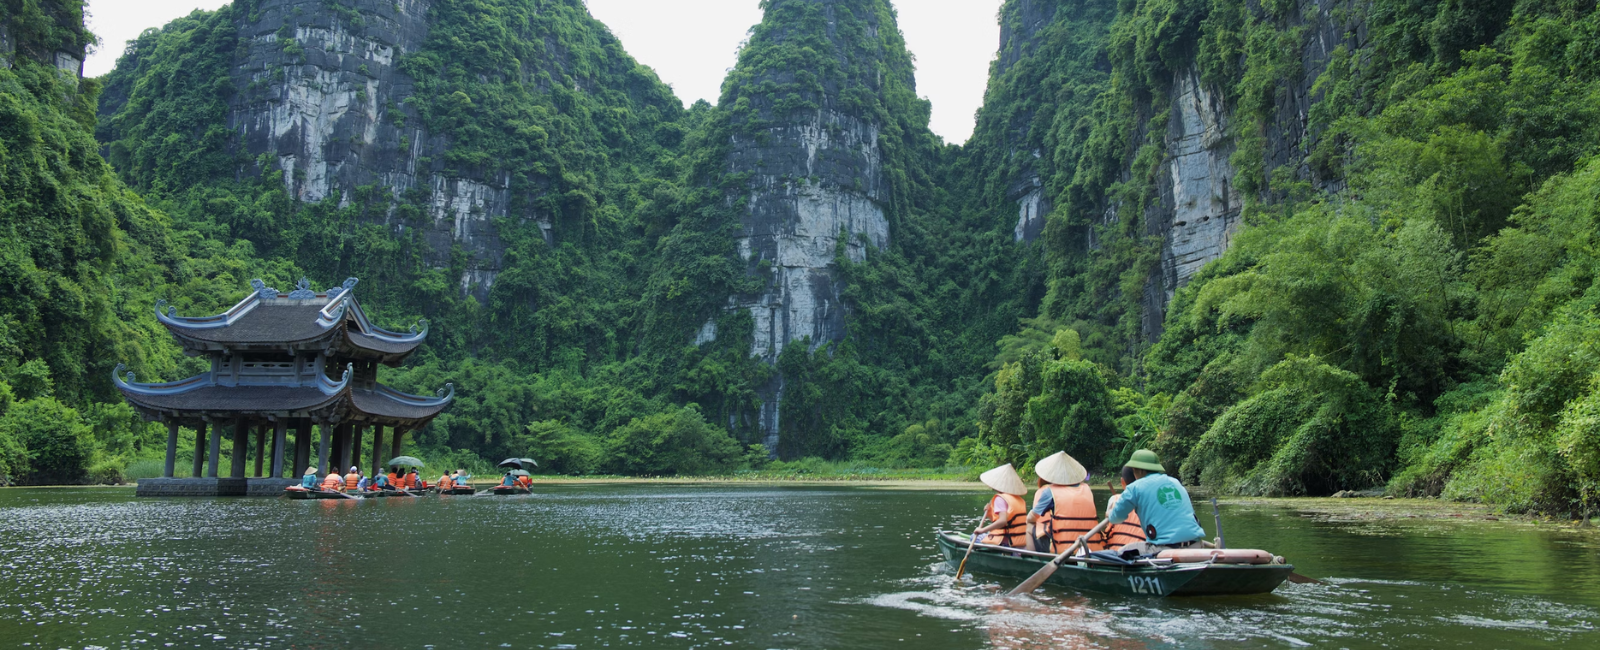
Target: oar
x: 1050, y: 567
x: 1293, y: 577
x: 970, y: 544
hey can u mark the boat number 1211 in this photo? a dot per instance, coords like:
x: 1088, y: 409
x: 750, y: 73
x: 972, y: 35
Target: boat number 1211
x: 1144, y: 585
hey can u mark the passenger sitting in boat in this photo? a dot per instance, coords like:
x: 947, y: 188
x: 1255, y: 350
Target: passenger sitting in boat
x: 1163, y: 506
x: 508, y: 480
x: 445, y: 482
x: 1063, y: 508
x: 334, y: 482
x: 352, y: 481
x: 309, y: 480
x: 1006, y: 512
x: 364, y: 484
x: 1127, y: 532
x: 525, y: 481
x: 395, y: 478
x: 381, y: 482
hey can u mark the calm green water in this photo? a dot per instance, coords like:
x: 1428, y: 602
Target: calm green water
x: 700, y: 567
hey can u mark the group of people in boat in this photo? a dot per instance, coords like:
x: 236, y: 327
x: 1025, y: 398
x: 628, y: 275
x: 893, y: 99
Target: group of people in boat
x: 396, y: 479
x: 1152, y: 514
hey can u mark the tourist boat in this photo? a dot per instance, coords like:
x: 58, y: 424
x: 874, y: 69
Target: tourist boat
x: 459, y: 489
x: 505, y: 490
x: 1186, y: 572
x: 297, y: 492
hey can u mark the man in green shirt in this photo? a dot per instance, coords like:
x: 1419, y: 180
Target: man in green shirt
x: 1163, y: 507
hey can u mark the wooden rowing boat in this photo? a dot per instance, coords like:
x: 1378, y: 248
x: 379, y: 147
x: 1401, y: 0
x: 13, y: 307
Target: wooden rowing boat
x: 507, y: 490
x: 459, y: 489
x: 297, y: 492
x: 1150, y: 578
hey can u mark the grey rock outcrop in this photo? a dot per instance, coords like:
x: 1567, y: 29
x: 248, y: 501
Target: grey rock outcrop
x: 321, y: 94
x: 816, y: 185
x: 1020, y: 24
x: 1199, y: 208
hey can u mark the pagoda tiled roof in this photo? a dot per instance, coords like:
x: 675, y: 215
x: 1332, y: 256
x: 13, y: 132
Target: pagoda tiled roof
x: 201, y: 395
x: 301, y: 319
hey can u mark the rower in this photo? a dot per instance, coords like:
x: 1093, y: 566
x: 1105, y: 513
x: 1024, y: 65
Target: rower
x: 334, y: 482
x: 381, y: 482
x: 445, y: 482
x: 1007, y: 512
x: 1162, y: 505
x: 1063, y: 508
x: 309, y: 479
x: 508, y: 480
x: 364, y: 484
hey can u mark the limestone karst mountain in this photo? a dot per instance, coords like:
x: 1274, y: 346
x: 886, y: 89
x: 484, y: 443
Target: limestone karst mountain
x: 1296, y: 246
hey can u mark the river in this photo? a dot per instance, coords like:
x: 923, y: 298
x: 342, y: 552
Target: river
x: 703, y: 566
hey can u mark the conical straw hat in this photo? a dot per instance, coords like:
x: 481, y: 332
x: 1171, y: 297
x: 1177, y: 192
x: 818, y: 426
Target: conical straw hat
x: 1061, y: 469
x: 1004, y: 479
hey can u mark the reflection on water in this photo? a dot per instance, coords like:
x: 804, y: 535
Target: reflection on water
x: 714, y: 566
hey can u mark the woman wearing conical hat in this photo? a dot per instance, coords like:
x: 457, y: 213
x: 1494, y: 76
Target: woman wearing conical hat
x: 1063, y: 508
x: 1006, y: 513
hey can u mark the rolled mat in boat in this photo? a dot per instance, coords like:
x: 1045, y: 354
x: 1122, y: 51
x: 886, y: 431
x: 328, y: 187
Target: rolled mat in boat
x: 1221, y: 555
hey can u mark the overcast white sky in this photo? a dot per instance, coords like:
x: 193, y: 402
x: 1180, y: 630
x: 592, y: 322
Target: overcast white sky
x: 691, y: 43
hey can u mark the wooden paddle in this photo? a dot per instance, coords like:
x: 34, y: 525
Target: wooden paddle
x: 1050, y: 567
x: 970, y: 544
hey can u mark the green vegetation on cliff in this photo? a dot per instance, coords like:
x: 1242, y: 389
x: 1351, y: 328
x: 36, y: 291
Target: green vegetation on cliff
x: 1408, y: 301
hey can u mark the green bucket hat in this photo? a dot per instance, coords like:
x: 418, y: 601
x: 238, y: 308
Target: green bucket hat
x: 1146, y: 460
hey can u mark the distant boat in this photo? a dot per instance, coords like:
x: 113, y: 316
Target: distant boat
x: 1157, y: 578
x: 297, y: 492
x: 504, y: 490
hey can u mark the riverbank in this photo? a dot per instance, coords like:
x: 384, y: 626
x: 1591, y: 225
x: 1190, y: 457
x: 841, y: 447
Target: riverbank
x: 1378, y: 510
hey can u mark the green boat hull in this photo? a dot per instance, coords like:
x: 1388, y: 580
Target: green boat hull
x: 1171, y: 580
x: 503, y: 490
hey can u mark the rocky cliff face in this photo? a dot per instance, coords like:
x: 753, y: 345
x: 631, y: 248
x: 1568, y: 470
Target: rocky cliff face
x: 1020, y: 24
x: 1198, y: 210
x: 816, y: 181
x: 321, y: 94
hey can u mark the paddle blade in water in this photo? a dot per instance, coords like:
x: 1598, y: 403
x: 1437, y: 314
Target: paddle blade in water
x: 1303, y: 580
x: 1037, y: 579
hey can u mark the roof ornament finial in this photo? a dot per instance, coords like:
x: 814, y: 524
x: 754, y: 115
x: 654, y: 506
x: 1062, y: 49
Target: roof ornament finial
x: 448, y: 392
x: 348, y: 368
x: 128, y: 378
x: 349, y: 283
x: 262, y: 290
x: 171, y: 312
x: 420, y: 325
x: 302, y: 291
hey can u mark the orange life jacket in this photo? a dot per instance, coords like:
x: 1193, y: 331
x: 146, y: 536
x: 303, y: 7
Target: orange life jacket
x: 1070, y: 516
x: 351, y: 480
x: 445, y: 483
x: 1127, y: 532
x: 1014, y: 532
x: 411, y: 480
x: 524, y: 481
x: 394, y: 481
x: 333, y: 482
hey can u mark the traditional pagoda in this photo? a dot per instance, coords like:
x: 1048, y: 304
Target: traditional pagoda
x: 281, y: 361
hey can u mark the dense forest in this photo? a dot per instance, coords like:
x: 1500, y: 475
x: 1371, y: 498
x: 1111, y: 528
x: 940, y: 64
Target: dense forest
x: 1295, y: 247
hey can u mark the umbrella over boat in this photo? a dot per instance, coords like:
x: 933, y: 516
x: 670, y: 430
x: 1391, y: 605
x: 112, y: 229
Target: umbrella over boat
x: 405, y: 461
x: 519, y: 463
